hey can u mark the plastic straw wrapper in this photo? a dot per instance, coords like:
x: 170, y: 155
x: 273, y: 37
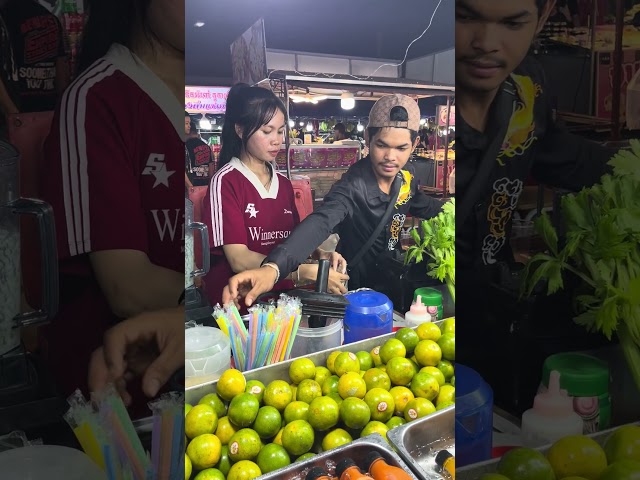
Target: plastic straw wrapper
x: 219, y: 316
x: 115, y: 416
x: 168, y: 439
x: 77, y: 417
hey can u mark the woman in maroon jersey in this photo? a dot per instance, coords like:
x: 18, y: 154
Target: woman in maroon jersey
x: 114, y: 180
x: 250, y: 207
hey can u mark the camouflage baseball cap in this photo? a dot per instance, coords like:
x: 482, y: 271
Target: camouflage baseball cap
x: 380, y: 115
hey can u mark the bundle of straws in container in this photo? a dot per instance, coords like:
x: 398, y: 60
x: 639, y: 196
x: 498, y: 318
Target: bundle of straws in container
x: 270, y: 336
x: 107, y: 435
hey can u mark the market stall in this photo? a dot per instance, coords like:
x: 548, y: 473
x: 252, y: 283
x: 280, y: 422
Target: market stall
x: 603, y: 48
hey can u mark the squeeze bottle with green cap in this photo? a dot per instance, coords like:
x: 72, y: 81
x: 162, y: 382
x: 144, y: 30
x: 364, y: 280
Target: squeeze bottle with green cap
x: 552, y: 416
x: 417, y: 314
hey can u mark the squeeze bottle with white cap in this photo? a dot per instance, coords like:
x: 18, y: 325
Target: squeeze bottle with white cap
x: 552, y: 416
x: 417, y: 314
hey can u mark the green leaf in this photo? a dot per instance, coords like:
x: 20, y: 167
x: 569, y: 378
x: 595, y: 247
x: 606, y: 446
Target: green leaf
x: 587, y: 300
x: 625, y: 163
x: 587, y: 320
x: 574, y: 212
x: 633, y: 291
x: 554, y: 276
x: 627, y: 219
x: 415, y: 236
x: 605, y: 270
x: 607, y: 317
x: 545, y: 228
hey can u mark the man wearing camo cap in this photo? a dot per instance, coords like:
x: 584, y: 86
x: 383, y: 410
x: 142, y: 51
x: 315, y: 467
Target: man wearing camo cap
x: 356, y: 206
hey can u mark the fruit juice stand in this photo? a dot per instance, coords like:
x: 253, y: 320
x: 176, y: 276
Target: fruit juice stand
x: 415, y: 442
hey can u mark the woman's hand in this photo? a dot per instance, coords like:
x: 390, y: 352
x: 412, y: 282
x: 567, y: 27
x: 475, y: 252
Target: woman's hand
x: 150, y: 346
x: 309, y: 274
x: 337, y: 261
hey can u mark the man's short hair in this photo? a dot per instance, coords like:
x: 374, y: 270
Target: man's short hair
x: 193, y: 128
x: 340, y: 128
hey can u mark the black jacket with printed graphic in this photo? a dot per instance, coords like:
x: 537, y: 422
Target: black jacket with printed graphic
x: 492, y: 167
x: 353, y: 209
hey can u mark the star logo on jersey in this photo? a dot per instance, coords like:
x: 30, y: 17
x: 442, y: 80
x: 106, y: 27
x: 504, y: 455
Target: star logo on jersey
x: 157, y: 167
x: 288, y: 212
x: 251, y: 210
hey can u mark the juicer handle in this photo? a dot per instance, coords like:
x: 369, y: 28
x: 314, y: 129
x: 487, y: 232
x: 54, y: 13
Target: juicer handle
x: 49, y: 258
x: 204, y: 235
x: 322, y: 280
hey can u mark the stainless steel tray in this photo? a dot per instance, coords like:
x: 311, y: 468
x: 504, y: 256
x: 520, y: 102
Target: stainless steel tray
x: 473, y: 472
x: 419, y: 441
x: 356, y: 450
x: 280, y: 371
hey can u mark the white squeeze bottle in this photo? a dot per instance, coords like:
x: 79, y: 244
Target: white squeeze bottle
x: 552, y: 416
x: 417, y: 314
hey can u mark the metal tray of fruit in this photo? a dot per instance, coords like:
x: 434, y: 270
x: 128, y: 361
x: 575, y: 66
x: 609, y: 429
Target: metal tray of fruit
x: 280, y: 371
x: 356, y: 450
x: 419, y: 441
x: 474, y: 471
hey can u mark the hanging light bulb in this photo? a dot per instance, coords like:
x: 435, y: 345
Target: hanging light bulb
x: 360, y: 127
x: 423, y: 121
x: 301, y: 124
x: 292, y: 124
x: 347, y: 102
x: 205, y: 124
x: 309, y: 127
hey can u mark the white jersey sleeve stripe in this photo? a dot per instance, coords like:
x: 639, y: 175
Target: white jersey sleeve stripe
x: 74, y: 158
x: 66, y: 103
x: 216, y: 205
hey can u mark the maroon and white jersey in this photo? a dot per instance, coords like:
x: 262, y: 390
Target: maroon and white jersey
x: 239, y: 210
x: 112, y: 170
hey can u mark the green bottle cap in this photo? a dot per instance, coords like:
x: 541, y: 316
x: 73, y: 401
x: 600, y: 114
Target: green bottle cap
x: 581, y: 375
x: 430, y: 296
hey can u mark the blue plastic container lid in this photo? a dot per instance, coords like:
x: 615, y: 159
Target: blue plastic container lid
x: 368, y: 302
x: 472, y: 392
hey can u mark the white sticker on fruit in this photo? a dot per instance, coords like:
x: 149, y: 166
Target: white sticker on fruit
x: 352, y: 356
x: 255, y: 390
x: 382, y: 407
x: 233, y: 448
x: 413, y: 414
x: 376, y: 351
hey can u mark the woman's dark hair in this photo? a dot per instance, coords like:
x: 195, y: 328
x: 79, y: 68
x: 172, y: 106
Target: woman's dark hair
x: 397, y: 114
x: 250, y: 108
x: 109, y: 22
x: 541, y: 4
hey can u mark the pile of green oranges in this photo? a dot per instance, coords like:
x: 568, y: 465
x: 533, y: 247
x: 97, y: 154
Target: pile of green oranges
x: 246, y: 429
x: 576, y: 457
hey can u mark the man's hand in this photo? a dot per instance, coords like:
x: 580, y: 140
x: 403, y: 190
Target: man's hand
x: 150, y: 345
x: 249, y: 285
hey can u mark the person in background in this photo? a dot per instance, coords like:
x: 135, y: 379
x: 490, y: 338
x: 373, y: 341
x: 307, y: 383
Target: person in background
x: 376, y: 191
x: 187, y: 129
x: 112, y: 165
x: 8, y: 79
x: 199, y: 156
x: 38, y: 41
x: 340, y: 132
x: 250, y: 208
x: 148, y: 347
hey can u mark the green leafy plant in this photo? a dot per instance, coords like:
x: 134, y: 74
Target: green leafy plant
x: 602, y: 248
x: 437, y: 245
